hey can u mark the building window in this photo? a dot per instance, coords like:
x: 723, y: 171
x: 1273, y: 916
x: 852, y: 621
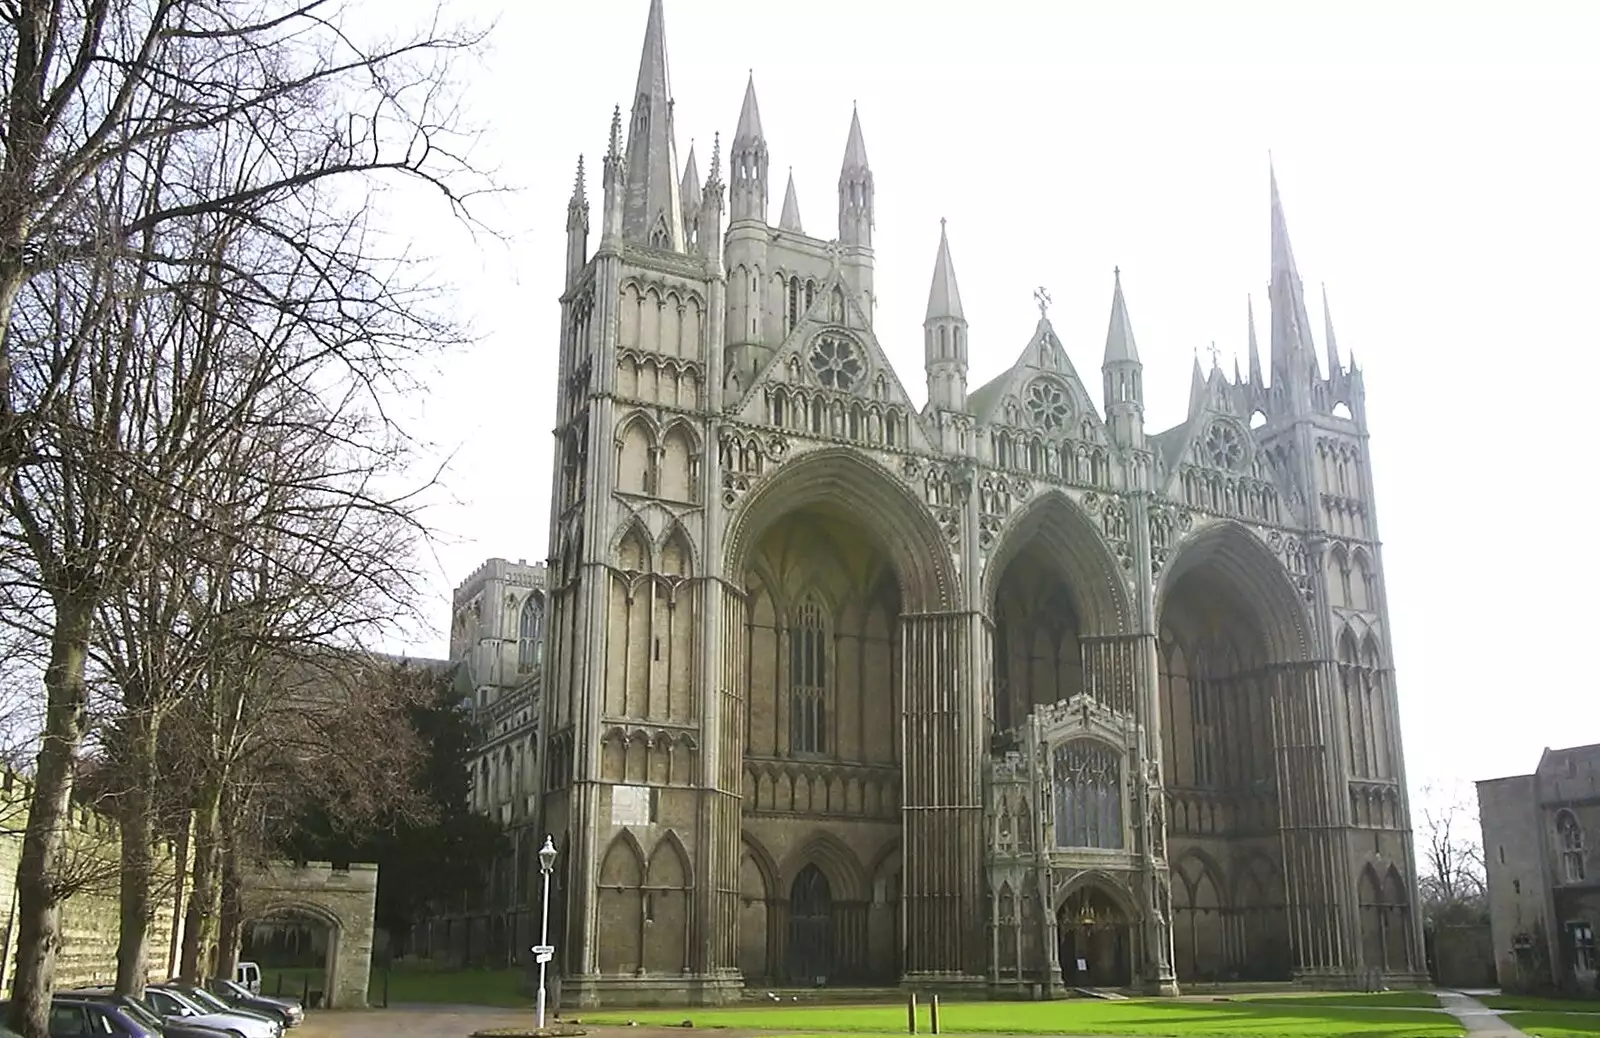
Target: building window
x: 530, y: 635
x: 1583, y: 955
x: 1571, y: 837
x: 808, y: 669
x: 1088, y: 787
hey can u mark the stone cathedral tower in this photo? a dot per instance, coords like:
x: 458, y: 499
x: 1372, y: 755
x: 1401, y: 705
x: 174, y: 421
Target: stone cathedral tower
x: 997, y: 691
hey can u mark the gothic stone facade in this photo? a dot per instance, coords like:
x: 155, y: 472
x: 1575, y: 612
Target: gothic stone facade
x: 1543, y: 869
x: 999, y: 690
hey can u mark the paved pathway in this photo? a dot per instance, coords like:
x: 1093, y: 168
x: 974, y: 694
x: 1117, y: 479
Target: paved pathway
x: 1479, y: 1020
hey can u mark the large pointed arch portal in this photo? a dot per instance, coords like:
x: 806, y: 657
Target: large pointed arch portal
x: 1060, y: 615
x: 1246, y: 767
x: 847, y: 708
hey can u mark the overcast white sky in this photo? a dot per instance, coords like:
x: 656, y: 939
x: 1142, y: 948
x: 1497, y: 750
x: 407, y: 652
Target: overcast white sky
x: 1439, y: 170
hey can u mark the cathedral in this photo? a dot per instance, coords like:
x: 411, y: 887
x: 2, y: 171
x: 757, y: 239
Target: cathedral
x: 1004, y: 693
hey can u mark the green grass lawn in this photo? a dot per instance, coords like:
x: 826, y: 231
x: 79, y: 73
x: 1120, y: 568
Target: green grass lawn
x: 1555, y: 1025
x: 1237, y: 1019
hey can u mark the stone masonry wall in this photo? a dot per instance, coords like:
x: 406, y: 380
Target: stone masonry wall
x: 90, y: 915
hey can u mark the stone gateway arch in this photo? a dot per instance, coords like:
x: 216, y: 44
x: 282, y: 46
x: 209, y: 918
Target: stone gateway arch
x: 1002, y: 691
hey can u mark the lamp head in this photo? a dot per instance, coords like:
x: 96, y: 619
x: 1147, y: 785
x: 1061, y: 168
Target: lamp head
x: 547, y: 854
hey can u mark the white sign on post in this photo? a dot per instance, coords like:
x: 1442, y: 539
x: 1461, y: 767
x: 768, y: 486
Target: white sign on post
x: 630, y: 805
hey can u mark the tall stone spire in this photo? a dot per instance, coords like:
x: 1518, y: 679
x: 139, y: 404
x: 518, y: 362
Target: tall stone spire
x: 1122, y: 374
x: 747, y: 166
x: 652, y: 211
x: 790, y: 220
x: 945, y: 334
x: 1294, y: 359
x: 855, y: 189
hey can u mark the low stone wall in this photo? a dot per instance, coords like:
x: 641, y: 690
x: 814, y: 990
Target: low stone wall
x: 343, y: 898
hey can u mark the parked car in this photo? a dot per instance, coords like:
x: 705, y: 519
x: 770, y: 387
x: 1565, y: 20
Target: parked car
x: 248, y: 976
x: 241, y: 997
x: 88, y: 1018
x: 175, y: 1005
x: 171, y: 1028
x: 268, y: 1008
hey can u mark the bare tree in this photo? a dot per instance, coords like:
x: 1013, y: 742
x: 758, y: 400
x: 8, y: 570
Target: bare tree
x: 1450, y: 870
x: 173, y: 167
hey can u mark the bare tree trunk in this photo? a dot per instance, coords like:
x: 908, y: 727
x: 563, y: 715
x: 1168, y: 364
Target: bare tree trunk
x: 231, y: 928
x: 49, y: 814
x: 137, y: 827
x: 200, y: 925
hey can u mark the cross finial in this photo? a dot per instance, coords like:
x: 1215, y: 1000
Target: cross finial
x: 1042, y: 297
x: 1216, y: 354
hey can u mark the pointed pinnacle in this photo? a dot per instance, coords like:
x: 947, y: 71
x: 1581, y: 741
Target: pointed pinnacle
x: 614, y: 150
x: 855, y: 149
x: 716, y: 157
x: 749, y: 129
x: 944, y: 297
x: 1120, y: 345
x: 790, y: 220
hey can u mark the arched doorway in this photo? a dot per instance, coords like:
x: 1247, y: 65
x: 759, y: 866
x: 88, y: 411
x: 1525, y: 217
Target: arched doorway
x: 810, y: 957
x: 1095, y: 940
x: 1231, y: 653
x: 297, y: 948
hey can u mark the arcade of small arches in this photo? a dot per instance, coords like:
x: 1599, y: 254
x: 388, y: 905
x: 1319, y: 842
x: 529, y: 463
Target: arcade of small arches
x: 838, y: 626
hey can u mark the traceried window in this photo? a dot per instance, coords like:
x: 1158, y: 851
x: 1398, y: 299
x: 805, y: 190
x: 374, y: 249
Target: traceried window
x: 1583, y: 951
x: 530, y: 635
x: 836, y: 362
x: 808, y: 680
x: 1048, y: 404
x: 1088, y: 789
x: 1571, y: 837
x: 1224, y: 446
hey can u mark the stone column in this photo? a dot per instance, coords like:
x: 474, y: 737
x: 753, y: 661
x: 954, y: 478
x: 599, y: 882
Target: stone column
x: 1308, y: 822
x: 941, y: 802
x: 722, y: 768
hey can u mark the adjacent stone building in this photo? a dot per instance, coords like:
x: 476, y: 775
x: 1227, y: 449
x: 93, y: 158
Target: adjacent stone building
x: 1540, y: 833
x: 1000, y: 690
x: 497, y: 646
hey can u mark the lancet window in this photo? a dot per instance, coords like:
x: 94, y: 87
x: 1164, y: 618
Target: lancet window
x: 1571, y: 836
x: 530, y: 635
x: 1088, y: 792
x: 808, y: 679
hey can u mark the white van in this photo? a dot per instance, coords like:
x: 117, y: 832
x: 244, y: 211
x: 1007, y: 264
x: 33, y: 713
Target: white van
x: 248, y: 975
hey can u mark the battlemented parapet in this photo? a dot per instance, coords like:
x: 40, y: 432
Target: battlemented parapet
x: 91, y: 912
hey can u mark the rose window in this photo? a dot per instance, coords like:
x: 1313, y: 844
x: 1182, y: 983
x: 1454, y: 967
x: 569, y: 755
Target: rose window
x: 836, y: 363
x: 1224, y: 446
x: 1048, y: 405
